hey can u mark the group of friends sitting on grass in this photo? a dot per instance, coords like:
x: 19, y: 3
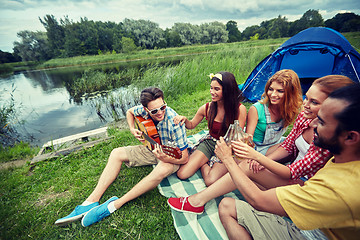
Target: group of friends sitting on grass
x: 303, y: 186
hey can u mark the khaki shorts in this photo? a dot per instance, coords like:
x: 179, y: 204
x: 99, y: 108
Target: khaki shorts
x: 140, y: 155
x: 263, y: 225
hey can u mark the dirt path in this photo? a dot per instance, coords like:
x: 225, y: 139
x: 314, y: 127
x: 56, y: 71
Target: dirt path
x: 16, y: 163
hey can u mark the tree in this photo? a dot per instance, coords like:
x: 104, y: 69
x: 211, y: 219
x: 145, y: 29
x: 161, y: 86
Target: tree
x: 189, y: 34
x: 89, y: 36
x: 279, y: 27
x: 234, y: 33
x: 212, y: 33
x: 255, y: 37
x: 172, y: 38
x: 311, y: 18
x: 128, y: 45
x: 6, y: 57
x: 118, y: 33
x: 105, y: 32
x: 73, y: 45
x: 55, y: 35
x: 33, y: 46
x: 81, y: 38
x: 344, y: 22
x: 146, y: 34
x: 250, y: 31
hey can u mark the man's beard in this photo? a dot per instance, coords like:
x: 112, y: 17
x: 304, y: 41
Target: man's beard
x: 333, y: 144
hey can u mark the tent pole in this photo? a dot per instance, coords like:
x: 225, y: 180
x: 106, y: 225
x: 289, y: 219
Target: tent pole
x: 357, y: 76
x: 256, y: 74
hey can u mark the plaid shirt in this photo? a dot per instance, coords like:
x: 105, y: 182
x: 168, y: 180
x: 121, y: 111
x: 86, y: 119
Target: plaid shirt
x: 170, y: 134
x: 314, y: 159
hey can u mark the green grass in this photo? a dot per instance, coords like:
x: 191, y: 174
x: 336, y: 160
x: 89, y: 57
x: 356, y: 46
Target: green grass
x: 18, y: 151
x: 179, y: 78
x: 354, y: 39
x: 33, y: 197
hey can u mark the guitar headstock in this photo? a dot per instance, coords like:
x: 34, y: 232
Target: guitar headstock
x: 174, y: 152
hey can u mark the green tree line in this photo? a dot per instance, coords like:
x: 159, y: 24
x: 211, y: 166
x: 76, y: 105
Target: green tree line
x: 66, y: 38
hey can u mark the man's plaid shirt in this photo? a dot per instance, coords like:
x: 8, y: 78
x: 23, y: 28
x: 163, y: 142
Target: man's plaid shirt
x: 170, y: 134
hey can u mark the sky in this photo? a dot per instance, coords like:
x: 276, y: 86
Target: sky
x: 19, y: 15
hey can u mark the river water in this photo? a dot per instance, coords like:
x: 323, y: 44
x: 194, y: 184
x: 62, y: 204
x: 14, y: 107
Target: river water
x: 45, y: 110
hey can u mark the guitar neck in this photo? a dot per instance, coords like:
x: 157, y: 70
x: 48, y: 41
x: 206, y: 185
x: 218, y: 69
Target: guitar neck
x: 149, y: 139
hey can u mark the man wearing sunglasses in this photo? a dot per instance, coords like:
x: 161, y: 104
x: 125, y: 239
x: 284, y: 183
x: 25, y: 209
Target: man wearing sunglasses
x: 154, y: 107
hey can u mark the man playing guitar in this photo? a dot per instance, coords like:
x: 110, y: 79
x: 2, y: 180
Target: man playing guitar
x: 153, y: 107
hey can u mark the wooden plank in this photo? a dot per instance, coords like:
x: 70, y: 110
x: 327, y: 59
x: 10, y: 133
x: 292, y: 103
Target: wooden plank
x: 66, y: 151
x: 70, y: 140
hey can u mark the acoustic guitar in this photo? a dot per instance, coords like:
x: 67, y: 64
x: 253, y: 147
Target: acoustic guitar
x: 152, y: 138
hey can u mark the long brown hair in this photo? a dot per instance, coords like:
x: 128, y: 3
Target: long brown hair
x: 232, y: 97
x: 292, y: 101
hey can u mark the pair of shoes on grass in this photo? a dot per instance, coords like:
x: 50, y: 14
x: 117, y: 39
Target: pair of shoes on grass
x: 90, y: 214
x: 182, y: 205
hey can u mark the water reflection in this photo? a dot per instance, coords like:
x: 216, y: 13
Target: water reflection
x: 48, y: 112
x: 48, y: 81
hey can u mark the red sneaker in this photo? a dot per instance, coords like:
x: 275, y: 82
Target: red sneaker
x: 182, y: 205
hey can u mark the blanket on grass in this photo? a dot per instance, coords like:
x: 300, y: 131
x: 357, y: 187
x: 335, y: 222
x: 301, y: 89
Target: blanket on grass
x: 192, y: 226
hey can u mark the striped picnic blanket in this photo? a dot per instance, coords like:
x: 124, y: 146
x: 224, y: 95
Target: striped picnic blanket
x: 192, y: 226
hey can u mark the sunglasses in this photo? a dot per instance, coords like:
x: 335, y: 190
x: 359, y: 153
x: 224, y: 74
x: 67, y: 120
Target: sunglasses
x: 155, y: 110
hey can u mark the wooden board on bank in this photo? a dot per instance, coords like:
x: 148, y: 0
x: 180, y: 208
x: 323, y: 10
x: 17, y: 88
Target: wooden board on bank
x: 66, y: 145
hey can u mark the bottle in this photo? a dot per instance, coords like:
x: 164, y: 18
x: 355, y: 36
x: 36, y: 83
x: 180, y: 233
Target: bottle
x: 229, y: 135
x: 243, y: 136
x: 236, y: 133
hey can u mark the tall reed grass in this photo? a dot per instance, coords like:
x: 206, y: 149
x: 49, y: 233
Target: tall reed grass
x: 191, y: 75
x: 93, y: 81
x: 154, y: 54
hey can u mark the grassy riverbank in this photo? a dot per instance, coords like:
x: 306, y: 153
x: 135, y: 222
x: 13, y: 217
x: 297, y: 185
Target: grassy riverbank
x: 33, y: 197
x: 146, y: 55
x: 183, y: 77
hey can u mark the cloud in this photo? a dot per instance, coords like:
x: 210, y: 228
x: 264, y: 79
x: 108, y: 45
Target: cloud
x: 17, y: 15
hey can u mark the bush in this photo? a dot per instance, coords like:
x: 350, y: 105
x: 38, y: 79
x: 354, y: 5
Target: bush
x: 6, y: 68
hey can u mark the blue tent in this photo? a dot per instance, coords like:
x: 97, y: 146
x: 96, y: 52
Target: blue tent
x: 312, y: 53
